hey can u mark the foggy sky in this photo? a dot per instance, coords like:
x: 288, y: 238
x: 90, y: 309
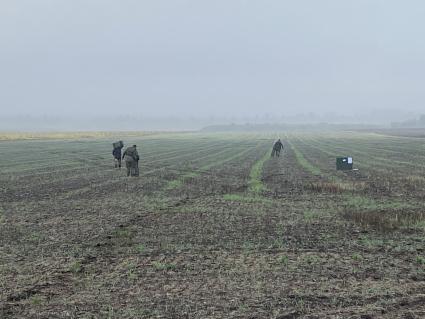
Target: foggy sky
x: 211, y: 58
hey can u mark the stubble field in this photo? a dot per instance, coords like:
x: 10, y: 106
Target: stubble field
x: 213, y: 227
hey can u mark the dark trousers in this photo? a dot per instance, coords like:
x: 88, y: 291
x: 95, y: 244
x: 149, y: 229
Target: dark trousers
x: 275, y: 152
x: 132, y: 168
x: 136, y: 168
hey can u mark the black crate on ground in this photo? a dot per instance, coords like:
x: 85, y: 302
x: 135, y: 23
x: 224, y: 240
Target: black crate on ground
x: 344, y: 163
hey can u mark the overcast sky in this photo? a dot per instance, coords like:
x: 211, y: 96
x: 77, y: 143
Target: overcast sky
x: 211, y: 57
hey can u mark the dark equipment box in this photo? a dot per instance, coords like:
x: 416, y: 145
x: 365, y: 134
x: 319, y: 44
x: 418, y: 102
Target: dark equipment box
x: 344, y: 163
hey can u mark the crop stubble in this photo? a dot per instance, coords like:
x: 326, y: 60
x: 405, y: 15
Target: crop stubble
x: 80, y: 240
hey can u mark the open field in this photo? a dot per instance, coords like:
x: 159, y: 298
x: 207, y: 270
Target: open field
x: 213, y: 228
x: 407, y: 132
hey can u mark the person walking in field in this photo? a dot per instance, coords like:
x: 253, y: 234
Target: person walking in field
x: 277, y: 147
x: 131, y: 158
x: 116, y: 153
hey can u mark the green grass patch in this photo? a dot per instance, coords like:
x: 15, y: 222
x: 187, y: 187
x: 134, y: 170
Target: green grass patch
x: 140, y: 248
x: 420, y: 260
x: 363, y: 202
x: 357, y: 257
x: 36, y: 300
x: 420, y: 224
x: 174, y: 184
x: 372, y: 242
x: 76, y: 267
x: 304, y: 163
x: 255, y: 185
x: 123, y: 233
x: 383, y: 215
x: 249, y: 246
x: 311, y: 215
x: 163, y: 266
x: 283, y: 260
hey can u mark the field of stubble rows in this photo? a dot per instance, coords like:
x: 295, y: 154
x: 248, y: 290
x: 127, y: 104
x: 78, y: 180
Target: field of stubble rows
x: 213, y: 228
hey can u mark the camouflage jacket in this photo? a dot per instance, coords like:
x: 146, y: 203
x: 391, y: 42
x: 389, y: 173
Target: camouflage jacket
x: 131, y: 154
x: 278, y: 145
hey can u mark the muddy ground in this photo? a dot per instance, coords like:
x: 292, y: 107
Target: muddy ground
x: 191, y: 237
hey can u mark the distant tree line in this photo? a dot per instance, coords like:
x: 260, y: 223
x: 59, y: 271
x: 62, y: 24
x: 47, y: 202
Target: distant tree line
x: 279, y: 127
x: 413, y: 123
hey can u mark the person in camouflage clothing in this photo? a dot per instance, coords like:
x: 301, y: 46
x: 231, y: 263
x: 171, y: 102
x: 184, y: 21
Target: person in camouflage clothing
x: 277, y: 147
x: 131, y: 158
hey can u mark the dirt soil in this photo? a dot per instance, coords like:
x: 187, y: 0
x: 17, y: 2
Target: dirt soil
x: 188, y: 239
